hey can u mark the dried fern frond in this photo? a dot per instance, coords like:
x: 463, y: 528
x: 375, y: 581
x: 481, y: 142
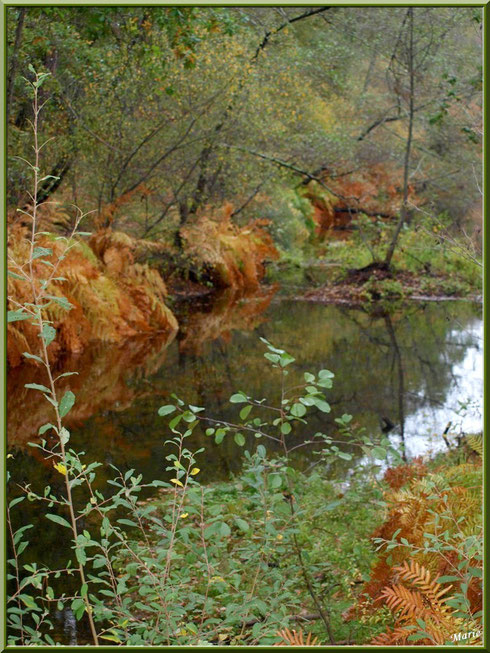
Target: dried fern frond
x: 391, y: 637
x: 407, y: 603
x: 233, y: 256
x: 293, y: 638
x: 112, y: 297
x: 476, y: 443
x: 419, y: 576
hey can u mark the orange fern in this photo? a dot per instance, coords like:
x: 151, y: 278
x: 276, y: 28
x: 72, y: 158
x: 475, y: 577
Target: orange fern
x: 233, y: 256
x: 422, y: 603
x: 294, y: 638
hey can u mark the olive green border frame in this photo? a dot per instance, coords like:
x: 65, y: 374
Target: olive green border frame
x: 3, y: 341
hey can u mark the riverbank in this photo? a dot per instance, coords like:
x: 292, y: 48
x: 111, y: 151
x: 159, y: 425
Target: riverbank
x: 347, y: 271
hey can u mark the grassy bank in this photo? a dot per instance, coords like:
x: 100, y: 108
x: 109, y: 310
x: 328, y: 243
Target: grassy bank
x: 429, y: 262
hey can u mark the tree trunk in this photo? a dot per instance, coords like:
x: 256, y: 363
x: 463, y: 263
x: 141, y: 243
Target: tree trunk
x: 408, y: 147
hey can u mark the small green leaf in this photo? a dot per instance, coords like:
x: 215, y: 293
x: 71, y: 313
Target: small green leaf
x: 298, y: 410
x: 166, y: 410
x: 275, y: 481
x: 344, y: 455
x: 245, y: 411
x: 175, y: 421
x: 48, y: 334
x: 41, y: 251
x: 81, y: 555
x: 286, y: 359
x: 322, y: 405
x: 15, y: 275
x: 285, y: 428
x: 58, y: 520
x: 242, y: 524
x: 64, y: 435
x: 78, y: 607
x: 61, y: 301
x: 15, y: 316
x: 37, y: 386
x: 66, y: 403
x: 225, y: 530
x: 220, y: 434
x: 46, y: 427
x: 274, y: 358
x: 36, y: 358
x: 238, y: 398
x: 447, y: 579
x: 379, y: 453
x: 239, y: 439
x: 28, y: 601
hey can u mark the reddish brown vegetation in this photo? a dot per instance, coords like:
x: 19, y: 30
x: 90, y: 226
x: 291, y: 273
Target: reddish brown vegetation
x: 112, y: 296
x: 405, y: 577
x: 230, y: 310
x: 231, y: 256
x: 374, y: 190
x: 294, y: 638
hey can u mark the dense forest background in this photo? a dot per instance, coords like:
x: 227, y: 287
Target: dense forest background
x: 160, y: 115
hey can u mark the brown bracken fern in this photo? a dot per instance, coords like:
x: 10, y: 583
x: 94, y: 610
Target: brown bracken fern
x: 417, y: 598
x: 294, y: 638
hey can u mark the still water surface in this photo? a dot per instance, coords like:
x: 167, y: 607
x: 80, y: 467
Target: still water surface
x: 414, y: 371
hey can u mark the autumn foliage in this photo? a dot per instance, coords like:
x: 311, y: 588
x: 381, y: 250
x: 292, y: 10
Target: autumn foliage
x: 231, y: 256
x: 294, y: 638
x: 412, y: 579
x: 375, y: 190
x: 112, y: 296
x: 101, y: 382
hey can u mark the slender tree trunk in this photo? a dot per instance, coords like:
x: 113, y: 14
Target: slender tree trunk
x: 14, y: 60
x: 408, y: 147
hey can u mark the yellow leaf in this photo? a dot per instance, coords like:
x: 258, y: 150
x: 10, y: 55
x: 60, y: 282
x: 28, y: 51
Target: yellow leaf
x: 195, y: 471
x: 176, y: 481
x: 184, y: 515
x: 60, y: 468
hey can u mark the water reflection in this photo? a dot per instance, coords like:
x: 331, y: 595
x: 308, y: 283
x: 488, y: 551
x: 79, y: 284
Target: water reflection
x: 400, y: 374
x: 107, y: 377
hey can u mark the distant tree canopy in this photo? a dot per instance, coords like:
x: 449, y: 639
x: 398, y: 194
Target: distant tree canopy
x: 175, y: 110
